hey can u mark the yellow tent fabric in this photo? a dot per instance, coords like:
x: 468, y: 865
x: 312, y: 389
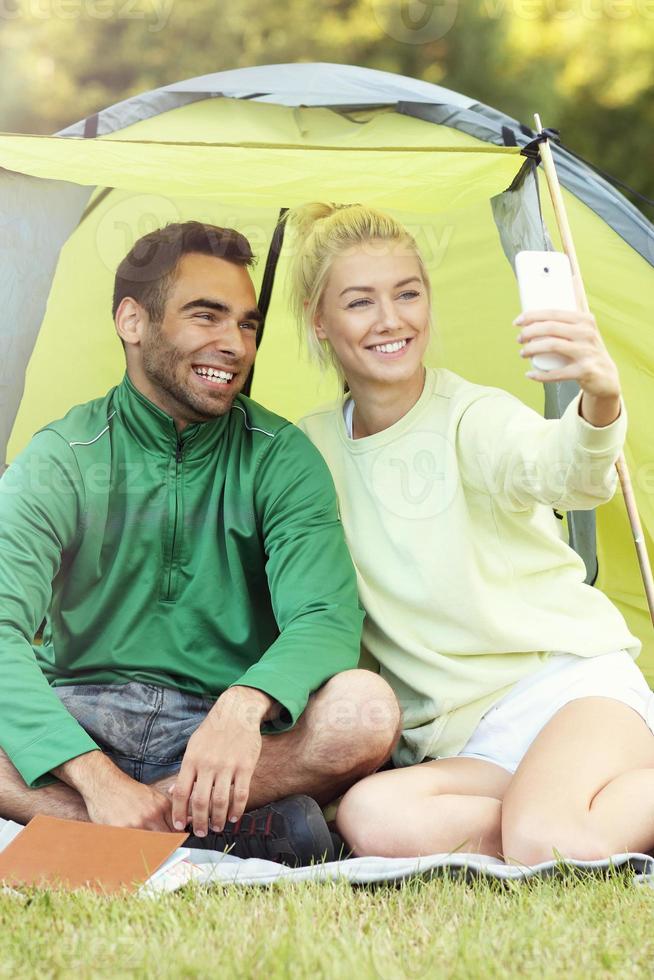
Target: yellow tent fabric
x: 228, y: 173
x: 237, y: 163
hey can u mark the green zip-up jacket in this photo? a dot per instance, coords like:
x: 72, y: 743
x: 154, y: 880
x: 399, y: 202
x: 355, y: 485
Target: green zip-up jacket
x: 193, y: 561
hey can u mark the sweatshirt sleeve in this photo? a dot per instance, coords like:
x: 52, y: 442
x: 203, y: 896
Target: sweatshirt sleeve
x: 310, y: 575
x: 519, y: 458
x: 39, y: 520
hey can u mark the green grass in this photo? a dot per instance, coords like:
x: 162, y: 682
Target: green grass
x: 442, y: 928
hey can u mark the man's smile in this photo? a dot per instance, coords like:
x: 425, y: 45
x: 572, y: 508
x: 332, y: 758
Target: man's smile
x: 212, y: 376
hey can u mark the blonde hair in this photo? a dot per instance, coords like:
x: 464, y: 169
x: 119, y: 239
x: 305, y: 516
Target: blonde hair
x: 324, y: 231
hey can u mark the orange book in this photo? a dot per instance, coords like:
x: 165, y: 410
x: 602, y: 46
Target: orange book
x: 70, y: 854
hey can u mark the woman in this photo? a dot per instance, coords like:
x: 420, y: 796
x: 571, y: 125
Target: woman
x: 517, y: 680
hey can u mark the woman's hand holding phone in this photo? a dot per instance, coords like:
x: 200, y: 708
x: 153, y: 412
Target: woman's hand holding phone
x: 564, y: 344
x: 575, y: 336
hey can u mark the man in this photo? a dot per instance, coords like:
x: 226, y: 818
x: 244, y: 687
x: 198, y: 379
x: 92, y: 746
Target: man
x: 185, y: 545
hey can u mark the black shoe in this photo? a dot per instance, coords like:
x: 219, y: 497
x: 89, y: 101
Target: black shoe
x: 291, y: 831
x: 341, y: 850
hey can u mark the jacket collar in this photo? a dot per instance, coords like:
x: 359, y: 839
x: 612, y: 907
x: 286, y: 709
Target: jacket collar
x: 155, y: 431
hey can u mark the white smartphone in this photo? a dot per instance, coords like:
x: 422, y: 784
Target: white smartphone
x: 545, y: 283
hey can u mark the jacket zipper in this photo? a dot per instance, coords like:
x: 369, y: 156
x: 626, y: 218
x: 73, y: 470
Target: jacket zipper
x: 178, y: 459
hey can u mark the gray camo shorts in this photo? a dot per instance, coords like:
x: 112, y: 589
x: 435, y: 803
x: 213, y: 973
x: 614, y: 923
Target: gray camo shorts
x: 142, y: 728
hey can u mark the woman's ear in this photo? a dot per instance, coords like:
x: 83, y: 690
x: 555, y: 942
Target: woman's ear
x: 318, y: 327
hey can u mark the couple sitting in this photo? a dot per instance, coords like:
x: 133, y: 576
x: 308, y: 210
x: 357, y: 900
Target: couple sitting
x: 199, y: 666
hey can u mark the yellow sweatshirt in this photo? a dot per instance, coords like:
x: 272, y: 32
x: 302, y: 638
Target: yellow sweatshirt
x: 466, y: 580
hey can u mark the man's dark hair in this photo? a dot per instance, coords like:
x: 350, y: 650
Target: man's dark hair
x: 148, y: 270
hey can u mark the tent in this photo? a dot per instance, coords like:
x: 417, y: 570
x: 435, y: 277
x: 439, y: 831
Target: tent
x: 236, y: 147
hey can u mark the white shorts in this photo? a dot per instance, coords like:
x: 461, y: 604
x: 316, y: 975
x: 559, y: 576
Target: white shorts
x: 507, y: 730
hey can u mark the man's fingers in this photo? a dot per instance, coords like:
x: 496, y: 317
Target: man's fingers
x: 180, y: 794
x: 220, y: 800
x: 240, y: 794
x: 201, y: 803
x: 167, y: 813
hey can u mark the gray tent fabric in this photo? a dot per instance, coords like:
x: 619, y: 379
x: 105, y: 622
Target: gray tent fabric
x: 123, y: 114
x: 582, y: 524
x: 332, y: 86
x: 517, y: 215
x: 36, y: 218
x: 320, y: 84
x: 488, y: 124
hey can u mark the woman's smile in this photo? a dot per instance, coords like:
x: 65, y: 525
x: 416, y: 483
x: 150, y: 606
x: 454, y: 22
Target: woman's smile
x: 391, y: 350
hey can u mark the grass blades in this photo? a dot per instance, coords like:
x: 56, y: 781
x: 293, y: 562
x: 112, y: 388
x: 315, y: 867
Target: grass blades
x: 441, y: 928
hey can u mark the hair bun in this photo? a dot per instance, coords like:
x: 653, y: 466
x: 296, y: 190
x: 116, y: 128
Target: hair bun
x: 305, y: 216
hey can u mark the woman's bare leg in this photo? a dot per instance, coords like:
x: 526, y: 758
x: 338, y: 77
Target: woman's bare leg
x: 433, y: 808
x: 585, y: 788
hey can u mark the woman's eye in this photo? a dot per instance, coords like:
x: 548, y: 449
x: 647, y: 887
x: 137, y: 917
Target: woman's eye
x: 358, y: 302
x: 409, y: 294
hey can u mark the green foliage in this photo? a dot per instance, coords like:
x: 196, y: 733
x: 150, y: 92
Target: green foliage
x: 585, y: 65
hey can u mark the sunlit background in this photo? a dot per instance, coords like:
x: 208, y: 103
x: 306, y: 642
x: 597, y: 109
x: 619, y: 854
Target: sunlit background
x: 586, y: 65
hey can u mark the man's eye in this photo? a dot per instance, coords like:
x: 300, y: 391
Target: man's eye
x: 249, y: 325
x: 204, y: 316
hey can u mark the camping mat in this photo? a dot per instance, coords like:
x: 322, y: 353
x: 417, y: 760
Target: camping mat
x: 213, y: 868
x: 223, y: 869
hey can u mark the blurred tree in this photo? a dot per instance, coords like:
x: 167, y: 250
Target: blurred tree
x: 585, y: 65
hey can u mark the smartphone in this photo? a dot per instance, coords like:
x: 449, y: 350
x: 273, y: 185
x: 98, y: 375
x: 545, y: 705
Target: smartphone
x: 545, y: 283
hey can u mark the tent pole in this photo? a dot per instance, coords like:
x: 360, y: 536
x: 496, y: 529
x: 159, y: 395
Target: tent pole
x: 582, y: 302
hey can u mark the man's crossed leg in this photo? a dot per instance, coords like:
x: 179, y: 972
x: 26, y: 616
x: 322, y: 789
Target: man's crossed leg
x: 346, y: 732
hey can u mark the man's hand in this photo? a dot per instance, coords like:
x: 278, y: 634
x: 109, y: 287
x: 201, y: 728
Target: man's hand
x: 114, y: 798
x: 213, y: 783
x: 575, y: 335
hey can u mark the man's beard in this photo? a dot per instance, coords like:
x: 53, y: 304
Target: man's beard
x: 160, y: 361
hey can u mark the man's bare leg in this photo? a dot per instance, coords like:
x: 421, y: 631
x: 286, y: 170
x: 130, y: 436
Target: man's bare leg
x: 20, y: 803
x: 346, y: 732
